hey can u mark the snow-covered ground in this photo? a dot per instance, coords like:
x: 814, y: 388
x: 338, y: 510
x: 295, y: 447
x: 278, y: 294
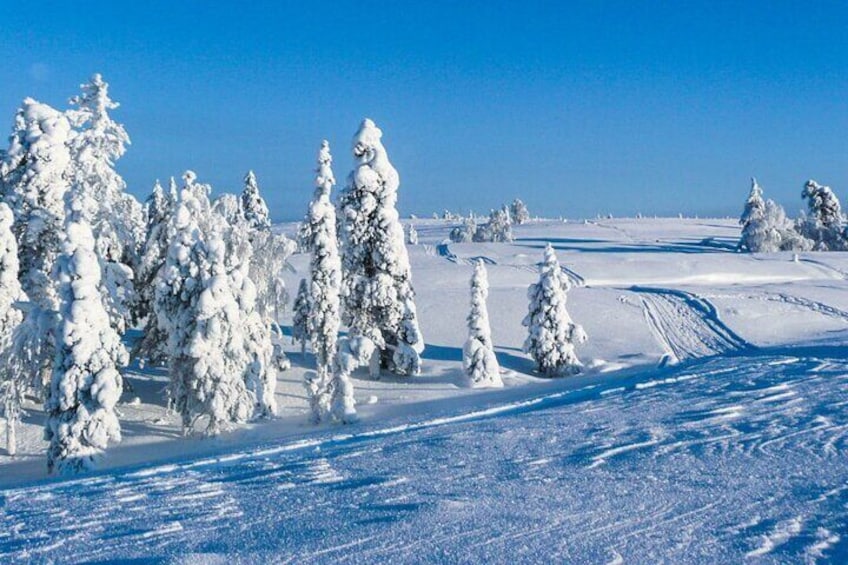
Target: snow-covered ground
x: 710, y: 426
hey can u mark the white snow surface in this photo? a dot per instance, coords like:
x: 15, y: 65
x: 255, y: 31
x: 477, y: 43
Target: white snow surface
x: 710, y: 425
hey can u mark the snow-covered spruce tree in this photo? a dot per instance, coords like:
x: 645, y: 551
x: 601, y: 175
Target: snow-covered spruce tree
x: 753, y: 220
x: 464, y: 233
x: 324, y: 287
x: 824, y: 223
x: 518, y: 212
x: 253, y: 206
x: 11, y: 387
x: 377, y: 288
x: 411, y: 235
x: 301, y: 323
x: 196, y: 307
x: 478, y: 355
x: 552, y: 335
x: 86, y: 384
x: 34, y: 176
x: 116, y: 218
x: 159, y: 207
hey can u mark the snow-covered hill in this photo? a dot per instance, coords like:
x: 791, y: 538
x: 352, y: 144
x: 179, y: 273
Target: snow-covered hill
x: 709, y: 427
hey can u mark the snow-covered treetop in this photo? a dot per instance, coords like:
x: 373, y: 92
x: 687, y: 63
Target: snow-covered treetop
x: 254, y: 208
x: 92, y: 113
x: 325, y: 180
x: 38, y: 129
x: 823, y: 204
x: 373, y: 163
x: 754, y: 206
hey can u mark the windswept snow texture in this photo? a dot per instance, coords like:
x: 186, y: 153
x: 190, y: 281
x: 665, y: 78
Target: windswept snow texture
x: 723, y: 459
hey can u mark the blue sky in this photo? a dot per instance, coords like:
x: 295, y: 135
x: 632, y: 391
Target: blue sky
x: 578, y: 108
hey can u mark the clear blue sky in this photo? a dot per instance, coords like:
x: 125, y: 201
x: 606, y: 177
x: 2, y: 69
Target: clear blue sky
x: 578, y: 108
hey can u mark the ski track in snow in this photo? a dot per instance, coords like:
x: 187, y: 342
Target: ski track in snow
x: 719, y: 460
x: 687, y: 326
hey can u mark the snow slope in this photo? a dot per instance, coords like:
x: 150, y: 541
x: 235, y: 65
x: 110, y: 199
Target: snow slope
x: 710, y: 427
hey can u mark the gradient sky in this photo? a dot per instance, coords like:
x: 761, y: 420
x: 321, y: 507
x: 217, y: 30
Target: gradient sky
x: 578, y: 108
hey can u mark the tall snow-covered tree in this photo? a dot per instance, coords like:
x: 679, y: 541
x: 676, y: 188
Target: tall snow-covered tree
x: 35, y: 180
x: 196, y: 307
x: 824, y: 223
x: 253, y: 206
x: 116, y: 218
x: 552, y: 335
x: 377, y: 288
x: 301, y: 322
x: 324, y: 286
x: 12, y: 387
x: 86, y: 384
x: 752, y: 219
x: 159, y: 208
x: 478, y: 354
x: 518, y: 212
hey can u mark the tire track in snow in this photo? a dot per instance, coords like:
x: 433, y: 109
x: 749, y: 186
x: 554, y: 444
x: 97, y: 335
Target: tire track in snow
x: 687, y: 326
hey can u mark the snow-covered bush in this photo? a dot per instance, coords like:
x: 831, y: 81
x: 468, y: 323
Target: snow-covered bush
x: 518, y: 212
x: 325, y: 276
x: 377, y: 280
x: 12, y: 382
x: 464, y: 233
x: 552, y: 336
x: 478, y: 355
x: 497, y: 229
x: 765, y: 228
x: 824, y: 222
x: 86, y: 384
x: 411, y: 235
x: 301, y: 323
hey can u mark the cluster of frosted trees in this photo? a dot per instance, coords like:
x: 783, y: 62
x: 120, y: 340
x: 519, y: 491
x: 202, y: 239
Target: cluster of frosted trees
x: 81, y: 261
x: 497, y: 228
x: 766, y: 228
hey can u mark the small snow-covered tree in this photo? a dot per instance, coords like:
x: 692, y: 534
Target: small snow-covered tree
x: 465, y: 232
x: 324, y: 287
x: 518, y: 212
x: 268, y: 263
x: 12, y: 388
x: 253, y: 206
x: 824, y: 223
x: 411, y: 235
x: 753, y: 219
x: 86, y: 384
x: 478, y: 355
x: 377, y: 279
x: 116, y: 218
x: 301, y: 323
x: 196, y: 307
x: 552, y: 336
x: 497, y: 229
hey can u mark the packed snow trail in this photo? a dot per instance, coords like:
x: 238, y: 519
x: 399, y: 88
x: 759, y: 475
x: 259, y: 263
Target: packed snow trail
x: 728, y: 457
x: 687, y: 326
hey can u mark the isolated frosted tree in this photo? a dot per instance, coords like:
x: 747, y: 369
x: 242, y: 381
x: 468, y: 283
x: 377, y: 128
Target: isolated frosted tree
x: 116, y: 218
x: 253, y: 205
x: 518, y: 212
x: 196, y: 307
x: 478, y: 355
x: 497, y: 229
x: 753, y: 219
x: 34, y: 175
x: 552, y: 335
x: 86, y: 384
x: 12, y: 382
x: 324, y: 286
x: 377, y: 280
x: 464, y: 233
x: 824, y: 223
x: 301, y: 324
x: 411, y: 235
